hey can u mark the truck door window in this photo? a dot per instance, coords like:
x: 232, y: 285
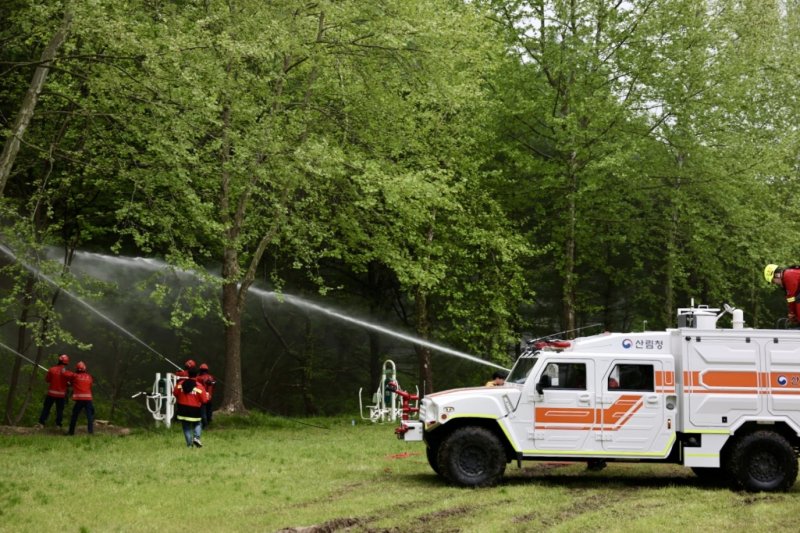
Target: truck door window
x: 632, y: 377
x: 566, y: 375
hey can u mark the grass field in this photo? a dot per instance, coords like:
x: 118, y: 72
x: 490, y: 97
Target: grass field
x: 270, y: 474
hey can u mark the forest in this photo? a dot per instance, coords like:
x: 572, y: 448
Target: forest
x: 470, y: 174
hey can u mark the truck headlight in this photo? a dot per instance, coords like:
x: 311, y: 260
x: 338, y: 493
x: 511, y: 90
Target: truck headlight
x: 427, y: 411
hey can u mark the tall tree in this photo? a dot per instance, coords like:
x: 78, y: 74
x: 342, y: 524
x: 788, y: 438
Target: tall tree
x: 28, y: 105
x: 627, y: 121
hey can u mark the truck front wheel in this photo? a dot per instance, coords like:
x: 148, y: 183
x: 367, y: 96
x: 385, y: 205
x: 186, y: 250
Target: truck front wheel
x: 472, y: 456
x: 764, y: 461
x: 432, y: 452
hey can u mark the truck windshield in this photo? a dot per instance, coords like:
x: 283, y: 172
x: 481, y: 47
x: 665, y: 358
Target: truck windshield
x: 521, y: 369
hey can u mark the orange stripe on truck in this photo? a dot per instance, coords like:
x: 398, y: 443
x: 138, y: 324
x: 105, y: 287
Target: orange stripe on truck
x: 611, y: 418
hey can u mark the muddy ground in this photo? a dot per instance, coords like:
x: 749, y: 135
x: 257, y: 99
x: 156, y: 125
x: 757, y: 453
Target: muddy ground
x: 101, y: 427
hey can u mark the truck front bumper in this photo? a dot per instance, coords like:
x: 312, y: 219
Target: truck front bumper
x: 409, y: 430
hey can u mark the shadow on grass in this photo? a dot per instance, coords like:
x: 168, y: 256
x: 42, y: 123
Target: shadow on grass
x: 588, y: 480
x: 593, y: 481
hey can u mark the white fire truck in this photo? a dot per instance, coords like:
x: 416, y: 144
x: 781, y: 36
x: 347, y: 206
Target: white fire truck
x: 725, y: 402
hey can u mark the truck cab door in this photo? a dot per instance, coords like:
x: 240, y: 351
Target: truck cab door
x: 637, y: 410
x: 564, y: 406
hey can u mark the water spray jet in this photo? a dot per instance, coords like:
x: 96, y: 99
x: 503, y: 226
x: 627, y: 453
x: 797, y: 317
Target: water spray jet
x: 300, y: 302
x: 12, y: 350
x: 155, y: 264
x: 38, y: 273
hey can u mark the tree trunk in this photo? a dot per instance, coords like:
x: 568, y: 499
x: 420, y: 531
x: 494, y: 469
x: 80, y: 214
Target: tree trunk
x: 22, y: 330
x: 25, y: 114
x: 233, y: 399
x: 116, y: 381
x: 423, y: 353
x: 307, y: 373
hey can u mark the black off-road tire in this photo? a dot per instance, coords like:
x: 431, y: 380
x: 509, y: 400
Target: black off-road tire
x: 763, y: 461
x: 432, y: 452
x: 472, y: 457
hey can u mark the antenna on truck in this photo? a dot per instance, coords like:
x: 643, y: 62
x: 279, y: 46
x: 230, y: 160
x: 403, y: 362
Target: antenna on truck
x: 554, y: 336
x: 553, y: 339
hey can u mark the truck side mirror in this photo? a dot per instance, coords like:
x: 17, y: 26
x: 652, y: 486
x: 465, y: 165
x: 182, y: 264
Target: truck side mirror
x: 544, y: 383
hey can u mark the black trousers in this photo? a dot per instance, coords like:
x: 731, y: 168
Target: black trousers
x: 76, y: 410
x: 48, y: 403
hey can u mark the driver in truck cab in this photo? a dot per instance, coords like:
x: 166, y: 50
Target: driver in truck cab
x: 498, y: 379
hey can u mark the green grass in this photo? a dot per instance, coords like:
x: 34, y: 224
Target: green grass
x: 269, y: 474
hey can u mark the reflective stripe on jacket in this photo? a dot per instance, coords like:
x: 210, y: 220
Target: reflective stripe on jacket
x: 189, y: 396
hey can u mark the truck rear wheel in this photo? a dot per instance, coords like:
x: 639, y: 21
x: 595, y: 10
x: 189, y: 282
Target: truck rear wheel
x: 764, y: 461
x: 472, y: 456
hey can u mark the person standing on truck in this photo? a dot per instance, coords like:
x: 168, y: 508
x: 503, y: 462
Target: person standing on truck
x: 789, y: 279
x: 81, y: 383
x: 57, y: 379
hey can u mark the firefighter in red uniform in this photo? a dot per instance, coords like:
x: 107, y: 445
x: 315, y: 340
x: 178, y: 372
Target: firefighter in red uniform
x: 57, y: 379
x: 190, y: 397
x: 81, y: 383
x: 186, y: 366
x: 208, y: 382
x: 789, y: 279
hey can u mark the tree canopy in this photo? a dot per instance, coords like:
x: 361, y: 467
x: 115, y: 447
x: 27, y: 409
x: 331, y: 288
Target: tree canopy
x: 471, y: 173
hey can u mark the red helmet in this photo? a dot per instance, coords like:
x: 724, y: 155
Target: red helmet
x: 63, y: 358
x: 81, y: 366
x: 189, y: 364
x: 204, y: 367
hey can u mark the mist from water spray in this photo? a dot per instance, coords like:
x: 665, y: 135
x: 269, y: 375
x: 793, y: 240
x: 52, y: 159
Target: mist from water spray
x: 38, y: 273
x: 300, y: 302
x: 155, y: 264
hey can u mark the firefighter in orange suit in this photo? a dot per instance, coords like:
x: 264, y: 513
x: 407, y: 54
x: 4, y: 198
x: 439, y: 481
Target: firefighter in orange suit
x: 189, y: 364
x: 81, y: 382
x: 208, y: 382
x: 57, y: 379
x: 190, y: 397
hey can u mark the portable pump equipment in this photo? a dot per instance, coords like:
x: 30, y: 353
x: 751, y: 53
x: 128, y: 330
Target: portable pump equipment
x: 385, y: 403
x: 724, y: 402
x: 161, y: 402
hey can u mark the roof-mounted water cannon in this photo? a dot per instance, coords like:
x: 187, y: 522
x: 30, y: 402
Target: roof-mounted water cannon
x: 553, y: 342
x: 704, y: 317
